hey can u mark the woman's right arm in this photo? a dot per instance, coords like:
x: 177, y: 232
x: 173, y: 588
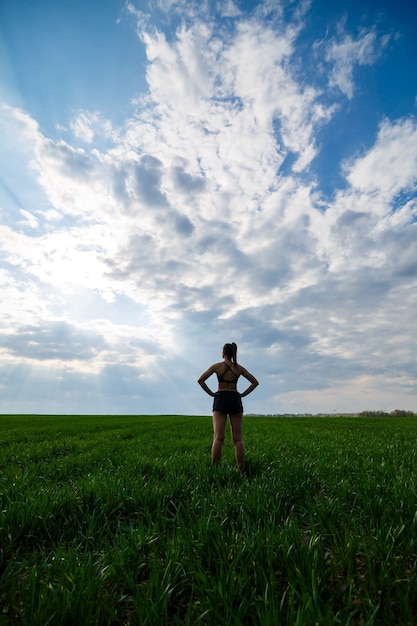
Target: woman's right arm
x: 202, y: 380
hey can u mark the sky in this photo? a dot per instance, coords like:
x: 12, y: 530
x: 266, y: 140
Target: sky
x: 175, y: 175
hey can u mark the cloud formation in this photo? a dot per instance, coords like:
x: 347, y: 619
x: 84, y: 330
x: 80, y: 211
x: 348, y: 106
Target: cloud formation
x: 199, y: 221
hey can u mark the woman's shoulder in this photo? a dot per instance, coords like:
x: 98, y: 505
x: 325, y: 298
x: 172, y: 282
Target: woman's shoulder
x: 216, y: 366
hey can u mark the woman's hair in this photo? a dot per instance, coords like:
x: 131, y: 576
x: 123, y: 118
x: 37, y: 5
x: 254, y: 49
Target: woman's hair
x: 230, y: 350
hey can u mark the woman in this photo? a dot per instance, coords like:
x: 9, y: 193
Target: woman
x: 227, y: 402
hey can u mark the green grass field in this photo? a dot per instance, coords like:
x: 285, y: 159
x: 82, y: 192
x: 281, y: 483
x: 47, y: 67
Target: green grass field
x: 122, y: 520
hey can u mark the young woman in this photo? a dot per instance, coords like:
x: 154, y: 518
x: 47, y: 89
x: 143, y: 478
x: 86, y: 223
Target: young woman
x: 228, y: 402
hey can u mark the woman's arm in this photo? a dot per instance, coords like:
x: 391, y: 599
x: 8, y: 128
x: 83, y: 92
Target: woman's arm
x: 202, y: 380
x: 251, y: 378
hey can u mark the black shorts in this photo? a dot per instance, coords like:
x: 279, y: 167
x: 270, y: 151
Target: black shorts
x: 228, y: 402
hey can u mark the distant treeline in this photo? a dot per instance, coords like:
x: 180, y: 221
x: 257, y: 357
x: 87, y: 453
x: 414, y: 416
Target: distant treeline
x: 396, y: 413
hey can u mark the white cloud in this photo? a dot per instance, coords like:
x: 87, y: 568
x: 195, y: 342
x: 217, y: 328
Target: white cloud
x: 228, y: 8
x: 29, y: 219
x: 345, y: 53
x: 391, y: 166
x: 87, y: 126
x: 82, y: 127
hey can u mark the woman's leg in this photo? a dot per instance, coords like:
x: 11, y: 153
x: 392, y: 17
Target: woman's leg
x: 236, y: 422
x: 219, y: 425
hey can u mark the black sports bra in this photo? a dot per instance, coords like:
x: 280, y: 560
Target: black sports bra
x: 222, y: 379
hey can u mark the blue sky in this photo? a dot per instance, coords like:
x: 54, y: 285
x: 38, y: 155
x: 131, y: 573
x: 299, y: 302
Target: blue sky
x: 177, y: 175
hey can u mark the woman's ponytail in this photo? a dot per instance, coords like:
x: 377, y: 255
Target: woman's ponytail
x: 230, y: 350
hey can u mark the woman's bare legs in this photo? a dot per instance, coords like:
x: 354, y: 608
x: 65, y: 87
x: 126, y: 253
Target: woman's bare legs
x: 236, y: 429
x: 219, y: 426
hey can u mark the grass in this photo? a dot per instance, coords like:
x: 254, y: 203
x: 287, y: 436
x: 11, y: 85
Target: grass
x: 123, y: 520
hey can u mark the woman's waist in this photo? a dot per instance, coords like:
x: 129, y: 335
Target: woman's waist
x: 220, y: 390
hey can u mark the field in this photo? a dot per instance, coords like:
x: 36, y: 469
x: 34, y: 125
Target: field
x: 123, y: 520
